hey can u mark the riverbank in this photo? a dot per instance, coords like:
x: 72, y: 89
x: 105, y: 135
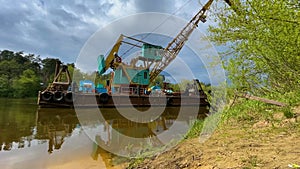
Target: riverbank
x: 256, y: 143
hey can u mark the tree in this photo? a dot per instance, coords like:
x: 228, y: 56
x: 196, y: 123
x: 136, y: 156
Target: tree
x: 27, y: 85
x: 264, y: 41
x: 6, y: 55
x: 158, y: 81
x: 48, y: 69
x: 4, y: 85
x: 21, y: 74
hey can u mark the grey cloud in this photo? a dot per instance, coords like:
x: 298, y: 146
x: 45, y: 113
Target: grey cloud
x: 155, y: 5
x: 60, y: 28
x: 62, y: 18
x: 54, y: 32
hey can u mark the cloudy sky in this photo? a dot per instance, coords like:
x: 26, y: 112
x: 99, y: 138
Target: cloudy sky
x: 60, y: 28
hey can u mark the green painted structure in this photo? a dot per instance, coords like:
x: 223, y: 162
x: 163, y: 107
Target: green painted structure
x: 131, y: 76
x: 152, y: 52
x: 128, y: 75
x: 101, y: 64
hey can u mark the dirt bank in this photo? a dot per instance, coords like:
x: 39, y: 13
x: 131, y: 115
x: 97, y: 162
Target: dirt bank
x: 262, y: 144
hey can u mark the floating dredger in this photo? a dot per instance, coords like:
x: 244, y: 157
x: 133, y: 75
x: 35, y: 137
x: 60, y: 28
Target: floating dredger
x: 129, y: 83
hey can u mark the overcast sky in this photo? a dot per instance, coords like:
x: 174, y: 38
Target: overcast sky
x: 60, y: 28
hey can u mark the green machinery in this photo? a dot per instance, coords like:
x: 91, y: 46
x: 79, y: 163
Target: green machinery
x: 137, y: 72
x: 153, y: 59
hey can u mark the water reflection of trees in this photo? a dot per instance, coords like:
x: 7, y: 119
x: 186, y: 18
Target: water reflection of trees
x: 46, y: 125
x: 16, y: 125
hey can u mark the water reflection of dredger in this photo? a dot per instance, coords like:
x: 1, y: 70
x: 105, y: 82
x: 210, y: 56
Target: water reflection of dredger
x: 55, y: 125
x: 116, y: 127
x: 134, y: 129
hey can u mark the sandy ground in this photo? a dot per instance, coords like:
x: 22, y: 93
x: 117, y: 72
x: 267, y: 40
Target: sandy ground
x: 262, y: 145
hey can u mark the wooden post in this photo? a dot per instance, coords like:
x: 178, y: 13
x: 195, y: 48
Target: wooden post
x: 263, y: 100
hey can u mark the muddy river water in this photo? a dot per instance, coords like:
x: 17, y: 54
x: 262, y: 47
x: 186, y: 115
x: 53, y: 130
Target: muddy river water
x: 38, y: 138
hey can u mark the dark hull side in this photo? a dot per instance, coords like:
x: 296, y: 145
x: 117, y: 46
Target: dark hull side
x: 105, y: 100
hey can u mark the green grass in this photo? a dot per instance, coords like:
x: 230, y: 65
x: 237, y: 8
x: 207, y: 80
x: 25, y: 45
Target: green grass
x: 251, y: 162
x: 195, y: 129
x: 135, y: 162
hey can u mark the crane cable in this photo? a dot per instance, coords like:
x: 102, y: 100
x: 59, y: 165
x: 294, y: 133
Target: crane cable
x: 177, y: 10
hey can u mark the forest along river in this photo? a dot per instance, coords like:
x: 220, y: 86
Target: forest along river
x: 35, y: 138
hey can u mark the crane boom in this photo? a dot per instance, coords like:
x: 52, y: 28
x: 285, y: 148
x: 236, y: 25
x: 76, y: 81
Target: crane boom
x: 174, y: 47
x: 111, y: 56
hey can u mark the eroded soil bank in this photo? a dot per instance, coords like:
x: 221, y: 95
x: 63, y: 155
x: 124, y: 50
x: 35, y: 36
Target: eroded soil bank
x: 262, y: 144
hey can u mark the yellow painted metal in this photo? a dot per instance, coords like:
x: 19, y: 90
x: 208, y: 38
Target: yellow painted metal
x: 110, y: 57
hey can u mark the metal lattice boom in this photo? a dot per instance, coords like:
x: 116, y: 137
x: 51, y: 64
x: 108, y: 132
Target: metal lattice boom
x: 174, y: 47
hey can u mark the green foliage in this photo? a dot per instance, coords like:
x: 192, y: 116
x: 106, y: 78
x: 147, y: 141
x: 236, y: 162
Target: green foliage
x: 4, y: 85
x: 101, y: 79
x: 27, y: 85
x: 135, y: 163
x: 158, y: 80
x: 290, y: 98
x: 184, y: 84
x: 288, y: 112
x: 11, y: 67
x: 264, y: 39
x: 48, y: 70
x: 21, y: 75
x: 195, y: 129
x: 249, y: 111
